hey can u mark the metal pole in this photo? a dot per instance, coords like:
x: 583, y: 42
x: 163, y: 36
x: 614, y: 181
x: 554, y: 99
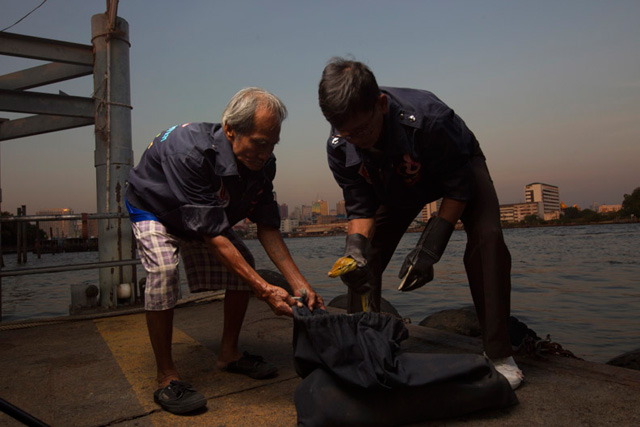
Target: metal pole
x: 19, y: 237
x: 1, y: 254
x: 113, y: 154
x: 20, y: 415
x: 25, y: 226
x: 64, y: 217
x: 38, y: 250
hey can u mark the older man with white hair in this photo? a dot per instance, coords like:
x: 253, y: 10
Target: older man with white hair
x: 192, y: 184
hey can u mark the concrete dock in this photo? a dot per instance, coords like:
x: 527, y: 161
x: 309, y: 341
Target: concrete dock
x: 101, y: 372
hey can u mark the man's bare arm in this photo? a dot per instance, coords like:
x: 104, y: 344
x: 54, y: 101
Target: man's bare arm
x: 274, y: 245
x: 277, y: 298
x: 451, y: 210
x: 364, y: 226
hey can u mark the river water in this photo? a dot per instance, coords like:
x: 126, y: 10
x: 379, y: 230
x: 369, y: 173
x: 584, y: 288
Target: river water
x: 580, y: 284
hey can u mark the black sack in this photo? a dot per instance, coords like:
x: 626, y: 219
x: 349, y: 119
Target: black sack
x: 354, y: 374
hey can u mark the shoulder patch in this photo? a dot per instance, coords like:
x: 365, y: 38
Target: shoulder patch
x: 409, y: 118
x: 336, y: 141
x: 167, y: 132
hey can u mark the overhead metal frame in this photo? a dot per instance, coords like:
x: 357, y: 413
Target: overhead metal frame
x: 50, y: 112
x: 109, y: 109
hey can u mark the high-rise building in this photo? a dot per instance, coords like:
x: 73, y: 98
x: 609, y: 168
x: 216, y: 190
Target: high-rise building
x: 284, y: 211
x: 320, y: 207
x: 341, y: 210
x: 430, y: 209
x: 547, y: 196
x: 324, y: 208
x: 297, y: 213
x: 59, y: 229
x: 306, y: 213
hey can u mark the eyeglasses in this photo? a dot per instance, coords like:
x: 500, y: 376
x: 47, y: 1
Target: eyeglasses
x: 361, y: 132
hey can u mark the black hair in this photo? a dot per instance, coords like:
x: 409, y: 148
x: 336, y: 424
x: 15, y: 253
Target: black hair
x: 346, y: 88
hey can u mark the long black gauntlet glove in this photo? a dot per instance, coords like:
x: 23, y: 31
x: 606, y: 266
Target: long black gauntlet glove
x: 359, y: 280
x: 417, y: 268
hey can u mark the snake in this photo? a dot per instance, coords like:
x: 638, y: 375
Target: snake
x: 343, y: 265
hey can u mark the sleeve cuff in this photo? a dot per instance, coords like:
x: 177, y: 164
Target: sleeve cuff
x: 208, y: 220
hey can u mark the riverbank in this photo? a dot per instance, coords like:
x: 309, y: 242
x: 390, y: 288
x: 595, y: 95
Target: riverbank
x: 572, y: 224
x: 505, y: 225
x: 80, y: 245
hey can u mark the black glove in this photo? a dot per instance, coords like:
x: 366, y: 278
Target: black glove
x: 359, y: 280
x: 418, y: 266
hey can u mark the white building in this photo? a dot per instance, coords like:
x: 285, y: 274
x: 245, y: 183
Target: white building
x: 288, y: 225
x: 609, y: 208
x: 548, y: 198
x: 430, y: 209
x: 517, y: 212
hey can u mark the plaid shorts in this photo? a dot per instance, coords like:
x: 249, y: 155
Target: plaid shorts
x: 160, y: 253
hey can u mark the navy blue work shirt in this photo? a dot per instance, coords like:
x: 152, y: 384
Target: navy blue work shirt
x: 423, y: 154
x: 189, y: 179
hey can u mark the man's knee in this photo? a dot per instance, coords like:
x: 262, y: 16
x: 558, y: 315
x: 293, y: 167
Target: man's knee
x: 490, y: 234
x: 165, y: 270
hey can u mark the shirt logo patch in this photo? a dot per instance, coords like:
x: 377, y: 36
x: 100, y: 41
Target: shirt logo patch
x: 223, y: 196
x: 257, y: 198
x: 335, y: 141
x: 409, y: 170
x: 365, y: 173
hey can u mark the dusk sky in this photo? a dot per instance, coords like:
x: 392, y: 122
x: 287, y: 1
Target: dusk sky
x: 550, y: 88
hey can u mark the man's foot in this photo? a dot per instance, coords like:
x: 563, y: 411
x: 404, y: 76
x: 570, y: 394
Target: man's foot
x: 179, y: 397
x: 509, y: 369
x: 252, y: 366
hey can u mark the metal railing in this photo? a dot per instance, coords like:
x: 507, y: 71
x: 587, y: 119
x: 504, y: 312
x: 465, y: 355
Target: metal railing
x: 62, y: 268
x: 64, y: 217
x: 71, y: 267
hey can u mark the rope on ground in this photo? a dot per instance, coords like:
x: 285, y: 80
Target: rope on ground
x: 539, y: 348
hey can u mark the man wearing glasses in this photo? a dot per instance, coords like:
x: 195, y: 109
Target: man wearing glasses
x: 393, y: 150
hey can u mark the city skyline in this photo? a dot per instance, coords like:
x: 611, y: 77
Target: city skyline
x: 551, y: 90
x: 290, y: 211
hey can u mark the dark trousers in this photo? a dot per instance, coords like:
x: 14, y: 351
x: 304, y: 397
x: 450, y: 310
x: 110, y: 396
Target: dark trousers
x: 487, y: 260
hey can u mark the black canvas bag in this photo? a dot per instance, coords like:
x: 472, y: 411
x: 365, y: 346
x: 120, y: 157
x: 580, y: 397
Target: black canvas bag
x: 354, y: 373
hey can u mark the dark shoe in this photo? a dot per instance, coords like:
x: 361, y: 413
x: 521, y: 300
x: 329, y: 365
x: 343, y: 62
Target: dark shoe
x: 179, y: 397
x: 252, y: 366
